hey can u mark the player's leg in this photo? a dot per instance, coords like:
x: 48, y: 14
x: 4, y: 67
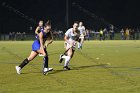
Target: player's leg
x: 26, y: 61
x: 82, y: 41
x: 67, y: 59
x: 79, y: 43
x: 72, y: 53
x: 60, y: 58
x: 65, y: 53
x: 61, y: 55
x: 45, y: 64
x: 68, y: 55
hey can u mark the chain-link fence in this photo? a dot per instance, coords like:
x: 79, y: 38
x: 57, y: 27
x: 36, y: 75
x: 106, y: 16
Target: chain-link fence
x: 57, y: 36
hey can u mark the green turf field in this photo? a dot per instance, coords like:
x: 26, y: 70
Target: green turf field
x: 100, y: 67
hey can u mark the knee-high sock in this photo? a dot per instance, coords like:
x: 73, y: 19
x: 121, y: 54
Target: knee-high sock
x: 78, y: 45
x: 25, y: 62
x: 81, y: 44
x: 45, y: 59
x: 67, y: 59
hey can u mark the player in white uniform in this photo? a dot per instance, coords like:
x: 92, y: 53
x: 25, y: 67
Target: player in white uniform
x: 81, y: 28
x: 70, y: 38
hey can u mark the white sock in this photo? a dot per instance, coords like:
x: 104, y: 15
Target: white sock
x: 78, y: 45
x: 67, y: 59
x: 81, y: 44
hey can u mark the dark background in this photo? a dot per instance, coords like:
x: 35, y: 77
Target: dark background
x: 94, y: 13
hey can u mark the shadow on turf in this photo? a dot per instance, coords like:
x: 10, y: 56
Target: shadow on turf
x: 90, y: 66
x: 57, y: 71
x: 77, y: 68
x: 83, y: 67
x: 31, y: 72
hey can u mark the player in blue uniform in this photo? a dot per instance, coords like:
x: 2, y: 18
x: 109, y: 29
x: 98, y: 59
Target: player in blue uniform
x: 39, y: 47
x: 39, y: 28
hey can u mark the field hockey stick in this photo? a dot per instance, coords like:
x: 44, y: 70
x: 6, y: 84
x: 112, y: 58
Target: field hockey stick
x: 61, y: 59
x: 66, y: 51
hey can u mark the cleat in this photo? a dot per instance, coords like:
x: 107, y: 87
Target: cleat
x: 66, y: 68
x: 46, y: 70
x: 60, y: 59
x: 18, y: 69
x: 45, y: 73
x: 79, y: 47
x: 50, y: 69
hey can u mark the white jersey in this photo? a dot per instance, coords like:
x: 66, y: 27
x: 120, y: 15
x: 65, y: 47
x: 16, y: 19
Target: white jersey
x: 82, y: 30
x: 71, y: 38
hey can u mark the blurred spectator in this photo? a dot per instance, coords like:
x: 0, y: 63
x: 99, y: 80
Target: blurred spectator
x: 10, y: 35
x: 137, y: 34
x: 127, y: 34
x: 87, y: 34
x: 122, y: 34
x: 55, y: 34
x: 17, y: 36
x: 13, y: 35
x: 96, y: 35
x: 101, y: 34
x: 105, y: 34
x: 23, y: 36
x: 111, y: 32
x: 60, y: 34
x: 133, y: 34
x: 130, y: 34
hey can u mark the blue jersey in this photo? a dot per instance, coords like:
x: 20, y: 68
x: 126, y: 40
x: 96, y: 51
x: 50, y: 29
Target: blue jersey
x: 36, y: 44
x: 40, y: 30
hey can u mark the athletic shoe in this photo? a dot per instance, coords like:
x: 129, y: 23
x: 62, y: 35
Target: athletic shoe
x: 46, y: 70
x: 60, y: 58
x: 18, y: 69
x: 66, y: 68
x: 41, y: 55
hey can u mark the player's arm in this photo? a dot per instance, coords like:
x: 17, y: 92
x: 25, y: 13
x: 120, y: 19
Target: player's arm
x: 41, y: 41
x: 36, y: 31
x: 66, y: 39
x: 77, y: 36
x: 50, y: 39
